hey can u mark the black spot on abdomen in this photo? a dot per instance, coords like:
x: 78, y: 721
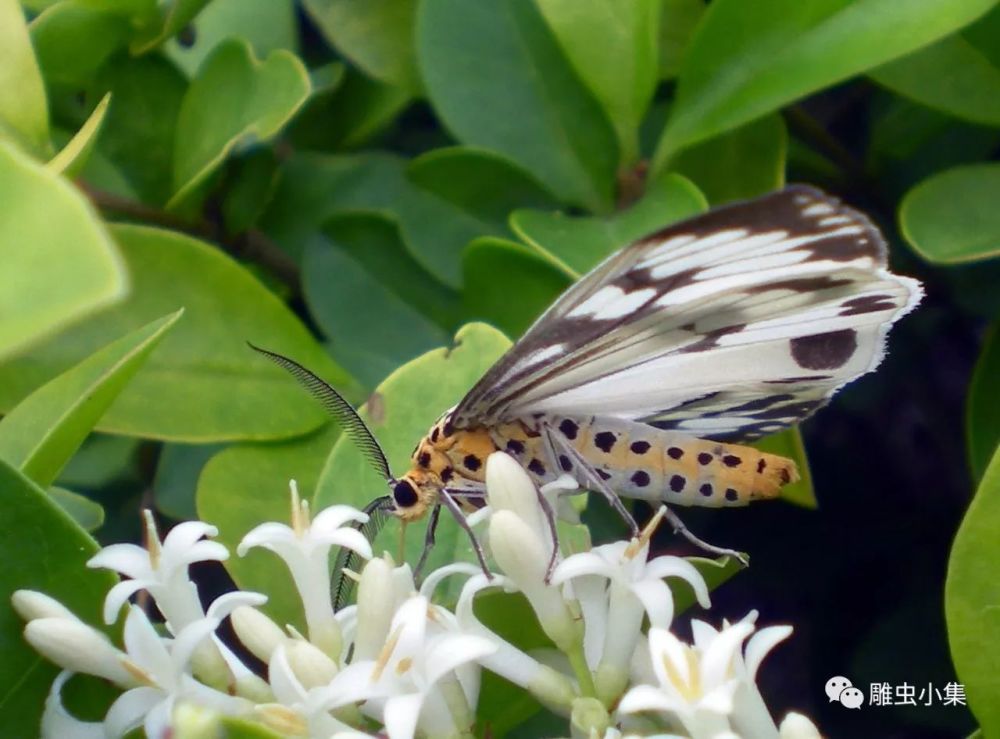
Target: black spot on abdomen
x: 640, y: 479
x: 677, y: 483
x: 639, y: 447
x: 472, y: 462
x: 824, y: 351
x: 537, y: 467
x: 515, y: 447
x: 568, y: 428
x: 605, y: 441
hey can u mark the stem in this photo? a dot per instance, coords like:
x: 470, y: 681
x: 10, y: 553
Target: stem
x: 252, y: 245
x: 578, y: 662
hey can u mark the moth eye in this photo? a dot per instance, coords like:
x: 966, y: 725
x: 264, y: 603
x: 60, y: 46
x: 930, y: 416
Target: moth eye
x: 404, y: 494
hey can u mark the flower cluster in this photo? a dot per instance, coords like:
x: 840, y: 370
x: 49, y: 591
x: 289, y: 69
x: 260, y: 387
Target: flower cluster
x: 398, y: 664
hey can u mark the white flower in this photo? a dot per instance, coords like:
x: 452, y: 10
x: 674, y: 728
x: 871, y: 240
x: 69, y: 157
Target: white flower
x: 160, y: 667
x: 161, y: 570
x: 75, y: 646
x: 750, y: 716
x: 305, y: 548
x: 709, y: 686
x: 797, y: 726
x: 412, y: 684
x: 548, y: 685
x: 304, y: 711
x: 613, y: 610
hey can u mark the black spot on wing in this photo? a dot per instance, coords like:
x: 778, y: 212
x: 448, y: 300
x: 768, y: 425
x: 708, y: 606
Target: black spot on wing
x: 472, y: 462
x: 867, y: 304
x: 565, y: 463
x: 824, y: 351
x: 537, y: 467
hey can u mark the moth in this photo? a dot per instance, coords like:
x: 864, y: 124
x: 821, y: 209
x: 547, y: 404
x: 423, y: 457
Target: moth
x: 644, y: 378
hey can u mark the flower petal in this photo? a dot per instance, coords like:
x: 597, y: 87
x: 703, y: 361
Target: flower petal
x: 665, y: 647
x: 647, y: 698
x: 797, y: 726
x: 657, y: 600
x: 57, y: 723
x: 265, y: 535
x: 663, y: 567
x: 127, y: 559
x: 717, y: 661
x: 401, y: 715
x: 448, y: 652
x: 118, y: 596
x: 579, y: 565
x: 146, y: 648
x: 334, y: 517
x: 128, y: 711
x: 760, y: 644
x: 184, y: 535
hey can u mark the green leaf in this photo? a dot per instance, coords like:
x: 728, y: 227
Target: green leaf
x: 138, y: 135
x: 266, y: 24
x: 42, y: 549
x: 88, y: 515
x: 349, y: 116
x: 508, y: 284
x: 58, y: 262
x: 743, y: 163
x: 952, y: 217
x: 246, y: 485
x: 578, y: 244
x: 24, y: 110
x: 204, y: 384
x: 749, y: 59
x: 972, y: 601
x: 177, y: 473
x: 613, y: 46
x: 788, y: 443
x: 952, y: 75
x: 376, y: 35
x: 45, y: 429
x: 171, y: 18
x: 483, y: 185
x: 315, y: 188
x: 373, y: 302
x: 73, y: 157
x: 400, y: 412
x: 982, y: 409
x: 561, y: 136
x: 74, y: 38
x: 101, y: 461
x: 235, y: 100
x: 678, y: 20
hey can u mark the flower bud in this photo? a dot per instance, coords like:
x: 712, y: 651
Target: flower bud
x: 797, y: 726
x: 75, y: 646
x: 257, y: 632
x: 30, y: 604
x: 310, y: 665
x: 523, y: 558
x: 376, y: 604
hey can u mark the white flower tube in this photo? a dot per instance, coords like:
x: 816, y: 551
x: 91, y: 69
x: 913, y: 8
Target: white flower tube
x: 305, y: 548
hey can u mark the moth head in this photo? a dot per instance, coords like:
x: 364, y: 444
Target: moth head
x: 413, y: 494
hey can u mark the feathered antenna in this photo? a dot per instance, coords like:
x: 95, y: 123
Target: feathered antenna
x: 336, y: 406
x: 379, y: 511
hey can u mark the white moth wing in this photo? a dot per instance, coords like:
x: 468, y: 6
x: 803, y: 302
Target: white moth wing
x: 733, y: 324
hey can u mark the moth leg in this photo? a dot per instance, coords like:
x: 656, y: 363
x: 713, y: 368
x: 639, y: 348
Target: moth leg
x: 679, y: 528
x: 432, y: 525
x: 462, y: 521
x: 593, y: 480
